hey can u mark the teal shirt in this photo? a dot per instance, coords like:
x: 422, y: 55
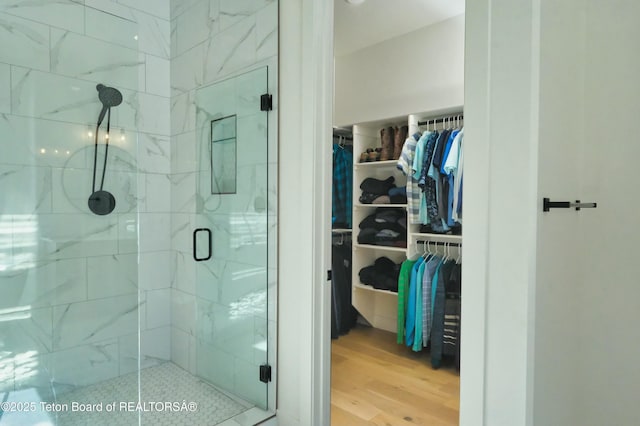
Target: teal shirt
x: 403, y: 293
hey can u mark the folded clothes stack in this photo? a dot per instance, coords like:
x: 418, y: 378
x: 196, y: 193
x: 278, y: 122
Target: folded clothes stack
x: 383, y: 274
x: 385, y: 227
x: 376, y: 191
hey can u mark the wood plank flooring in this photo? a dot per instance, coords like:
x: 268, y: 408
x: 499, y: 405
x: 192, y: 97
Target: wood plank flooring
x: 375, y: 381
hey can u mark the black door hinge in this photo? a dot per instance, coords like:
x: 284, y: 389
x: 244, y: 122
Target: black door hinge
x: 265, y: 373
x: 329, y: 275
x: 266, y: 102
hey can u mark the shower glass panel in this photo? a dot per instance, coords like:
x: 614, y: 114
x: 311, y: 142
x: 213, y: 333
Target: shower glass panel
x: 70, y: 300
x: 232, y: 199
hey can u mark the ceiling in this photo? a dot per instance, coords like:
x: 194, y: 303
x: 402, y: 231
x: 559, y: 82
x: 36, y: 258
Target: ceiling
x: 369, y: 23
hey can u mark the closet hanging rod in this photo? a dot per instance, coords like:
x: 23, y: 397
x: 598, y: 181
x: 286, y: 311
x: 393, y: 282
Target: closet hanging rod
x: 348, y: 138
x: 442, y: 120
x: 438, y: 243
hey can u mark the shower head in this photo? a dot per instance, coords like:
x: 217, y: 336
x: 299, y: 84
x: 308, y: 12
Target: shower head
x: 109, y: 97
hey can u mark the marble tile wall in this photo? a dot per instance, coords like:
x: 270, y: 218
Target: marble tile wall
x: 80, y: 289
x: 220, y: 308
x: 76, y: 294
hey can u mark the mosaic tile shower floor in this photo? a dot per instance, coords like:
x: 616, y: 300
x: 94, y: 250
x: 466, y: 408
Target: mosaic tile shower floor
x: 165, y: 382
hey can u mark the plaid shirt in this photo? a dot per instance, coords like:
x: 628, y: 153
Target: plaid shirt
x: 342, y: 185
x: 405, y: 164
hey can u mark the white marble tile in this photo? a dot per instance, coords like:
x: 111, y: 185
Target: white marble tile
x: 233, y: 11
x: 153, y: 113
x: 173, y: 38
x: 94, y: 321
x: 247, y: 383
x: 159, y: 8
x: 216, y: 101
x: 25, y: 330
x: 224, y: 328
x: 33, y: 377
x: 231, y: 50
x: 72, y: 188
x: 187, y: 70
x: 183, y: 311
x: 5, y: 88
x: 238, y: 237
x: 155, y: 346
x: 44, y: 284
x: 154, y: 34
x: 155, y: 270
x: 157, y: 76
x: 111, y: 7
x: 233, y: 283
x: 51, y: 96
x: 154, y: 232
x: 158, y: 308
x: 267, y: 31
x: 154, y: 152
x: 208, y: 361
x: 39, y: 142
x: 182, y: 227
x: 178, y: 7
x: 183, y: 193
x: 196, y: 25
x: 183, y: 113
x: 65, y: 14
x: 127, y: 233
x: 183, y: 153
x: 157, y: 193
x: 25, y: 190
x: 114, y: 26
x: 183, y: 272
x: 85, y: 365
x: 100, y: 61
x: 24, y: 43
x: 53, y: 236
x: 249, y: 87
x: 180, y: 348
x: 114, y: 275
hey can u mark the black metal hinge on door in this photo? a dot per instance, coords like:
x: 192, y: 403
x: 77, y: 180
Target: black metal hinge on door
x: 265, y: 373
x: 266, y: 102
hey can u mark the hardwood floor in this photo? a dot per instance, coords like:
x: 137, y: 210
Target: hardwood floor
x: 375, y: 381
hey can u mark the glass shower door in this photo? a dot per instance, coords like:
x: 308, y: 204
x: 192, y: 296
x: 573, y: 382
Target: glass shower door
x: 230, y: 236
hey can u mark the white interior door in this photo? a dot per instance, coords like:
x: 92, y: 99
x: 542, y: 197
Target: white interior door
x: 587, y: 297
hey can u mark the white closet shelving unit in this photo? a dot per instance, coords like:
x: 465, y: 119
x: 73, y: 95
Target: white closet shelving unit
x: 379, y: 307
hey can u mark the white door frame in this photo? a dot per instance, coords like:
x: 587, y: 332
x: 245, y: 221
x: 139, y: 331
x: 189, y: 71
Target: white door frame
x: 501, y: 204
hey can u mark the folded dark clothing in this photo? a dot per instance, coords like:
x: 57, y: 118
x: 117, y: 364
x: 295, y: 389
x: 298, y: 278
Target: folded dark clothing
x: 377, y: 186
x: 367, y: 236
x: 367, y: 197
x: 430, y: 229
x: 382, y: 199
x: 398, y: 199
x: 401, y: 190
x: 383, y: 274
x: 371, y: 222
x: 389, y: 214
x: 399, y: 243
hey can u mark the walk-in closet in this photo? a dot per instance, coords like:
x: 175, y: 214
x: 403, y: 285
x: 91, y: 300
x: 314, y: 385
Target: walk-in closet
x: 397, y: 212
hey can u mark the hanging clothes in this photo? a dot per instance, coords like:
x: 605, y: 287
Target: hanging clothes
x: 343, y: 314
x: 342, y: 188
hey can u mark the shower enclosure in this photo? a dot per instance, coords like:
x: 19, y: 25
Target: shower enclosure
x: 130, y: 292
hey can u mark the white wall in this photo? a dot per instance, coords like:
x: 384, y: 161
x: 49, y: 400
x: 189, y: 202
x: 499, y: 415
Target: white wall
x: 304, y: 210
x: 419, y: 71
x: 500, y: 209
